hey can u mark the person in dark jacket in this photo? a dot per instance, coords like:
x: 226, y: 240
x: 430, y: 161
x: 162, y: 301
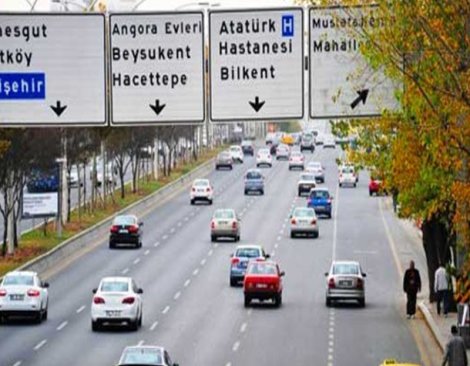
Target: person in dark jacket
x: 411, y: 286
x: 456, y: 354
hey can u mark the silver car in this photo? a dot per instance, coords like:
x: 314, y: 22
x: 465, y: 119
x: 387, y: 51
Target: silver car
x: 306, y: 182
x: 303, y: 221
x: 282, y: 152
x: 225, y: 223
x: 146, y: 355
x: 317, y: 169
x: 296, y: 160
x: 345, y: 281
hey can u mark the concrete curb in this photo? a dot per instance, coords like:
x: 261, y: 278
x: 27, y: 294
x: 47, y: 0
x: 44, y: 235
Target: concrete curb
x: 80, y: 241
x: 432, y: 325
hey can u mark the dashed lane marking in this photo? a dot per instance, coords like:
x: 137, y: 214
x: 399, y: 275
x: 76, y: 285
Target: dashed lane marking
x: 125, y: 270
x: 179, y: 224
x: 243, y: 328
x: 177, y: 295
x: 195, y: 272
x: 137, y: 261
x: 166, y: 310
x: 141, y: 342
x: 235, y: 347
x: 156, y: 244
x: 279, y: 238
x: 80, y: 309
x: 17, y: 363
x: 172, y: 230
x: 203, y: 262
x: 153, y: 326
x: 62, y: 325
x: 38, y: 346
x: 187, y: 282
x: 165, y: 237
x: 147, y: 252
x: 210, y: 252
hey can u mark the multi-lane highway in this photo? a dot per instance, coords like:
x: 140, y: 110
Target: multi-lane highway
x: 190, y: 308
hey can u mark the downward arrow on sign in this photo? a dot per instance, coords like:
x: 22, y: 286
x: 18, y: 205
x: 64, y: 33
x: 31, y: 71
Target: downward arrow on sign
x: 157, y: 108
x: 257, y: 105
x: 58, y: 108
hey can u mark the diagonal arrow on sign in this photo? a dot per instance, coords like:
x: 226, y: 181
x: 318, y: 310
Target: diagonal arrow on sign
x: 157, y: 108
x: 362, y: 96
x: 257, y: 105
x: 58, y: 108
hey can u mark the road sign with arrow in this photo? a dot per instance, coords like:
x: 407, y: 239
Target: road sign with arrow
x: 256, y: 64
x: 157, y: 68
x: 52, y: 70
x: 342, y: 84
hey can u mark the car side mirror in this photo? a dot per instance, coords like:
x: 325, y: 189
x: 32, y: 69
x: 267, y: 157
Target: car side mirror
x: 282, y: 274
x: 364, y: 274
x: 45, y: 285
x: 94, y: 290
x: 140, y: 291
x: 176, y: 364
x: 267, y: 256
x: 141, y: 224
x: 326, y: 274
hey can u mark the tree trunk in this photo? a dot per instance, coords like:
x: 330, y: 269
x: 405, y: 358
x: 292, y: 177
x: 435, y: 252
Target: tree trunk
x: 79, y: 182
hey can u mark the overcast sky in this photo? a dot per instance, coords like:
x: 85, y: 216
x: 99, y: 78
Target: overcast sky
x: 126, y: 5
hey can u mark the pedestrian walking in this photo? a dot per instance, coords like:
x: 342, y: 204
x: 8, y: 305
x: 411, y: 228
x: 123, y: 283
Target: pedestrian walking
x: 455, y: 354
x: 441, y: 288
x: 411, y: 286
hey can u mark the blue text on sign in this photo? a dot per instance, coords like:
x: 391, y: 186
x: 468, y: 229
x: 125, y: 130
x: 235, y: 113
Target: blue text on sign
x: 287, y: 25
x: 22, y: 86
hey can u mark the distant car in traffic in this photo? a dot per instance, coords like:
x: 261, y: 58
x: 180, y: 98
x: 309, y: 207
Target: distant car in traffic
x: 270, y: 138
x: 248, y: 147
x: 296, y: 160
x: 376, y: 187
x: 126, y: 229
x: 287, y: 139
x: 116, y: 301
x: 240, y: 258
x: 329, y: 141
x: 347, y: 176
x: 345, y: 281
x: 282, y: 152
x: 254, y: 181
x: 23, y: 294
x: 317, y: 169
x: 201, y: 190
x: 320, y: 200
x: 225, y: 223
x: 72, y: 177
x: 306, y: 182
x: 224, y: 160
x: 320, y: 139
x: 307, y: 142
x: 237, y: 153
x: 264, y: 157
x: 303, y: 221
x: 145, y: 356
x: 263, y: 281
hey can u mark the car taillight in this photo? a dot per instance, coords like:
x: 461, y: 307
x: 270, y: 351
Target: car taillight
x: 128, y: 300
x: 194, y: 189
x: 212, y: 225
x: 250, y: 284
x: 133, y: 228
x: 114, y: 229
x: 208, y: 189
x: 235, y: 261
x: 234, y: 225
x: 360, y: 284
x: 258, y: 156
x: 331, y: 283
x: 314, y: 222
x: 3, y: 293
x: 329, y: 200
x: 269, y: 156
x: 33, y: 293
x: 260, y: 259
x: 293, y: 221
x: 98, y: 300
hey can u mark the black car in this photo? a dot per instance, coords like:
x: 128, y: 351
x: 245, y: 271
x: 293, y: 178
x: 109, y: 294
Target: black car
x: 126, y: 229
x: 247, y: 148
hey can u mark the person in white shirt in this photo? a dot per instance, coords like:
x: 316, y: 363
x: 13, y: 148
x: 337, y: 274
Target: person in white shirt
x: 441, y: 288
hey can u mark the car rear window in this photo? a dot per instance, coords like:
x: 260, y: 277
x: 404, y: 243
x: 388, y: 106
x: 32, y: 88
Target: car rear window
x: 224, y: 155
x: 262, y: 268
x: 142, y: 357
x: 319, y: 194
x: 347, y: 170
x: 304, y: 212
x: 225, y: 214
x: 19, y: 280
x: 307, y: 177
x: 125, y: 220
x: 253, y: 175
x: 114, y: 286
x: 248, y: 253
x: 201, y: 183
x: 347, y: 269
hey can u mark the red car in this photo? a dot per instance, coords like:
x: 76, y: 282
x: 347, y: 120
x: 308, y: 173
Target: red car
x: 263, y: 282
x: 375, y: 186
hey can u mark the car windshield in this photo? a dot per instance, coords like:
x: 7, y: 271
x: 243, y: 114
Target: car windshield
x: 248, y: 253
x: 319, y: 194
x: 303, y: 212
x: 262, y: 268
x: 201, y: 183
x: 144, y: 356
x: 125, y: 220
x: 346, y: 269
x: 224, y: 214
x: 18, y: 280
x: 253, y: 175
x: 114, y: 286
x: 307, y: 177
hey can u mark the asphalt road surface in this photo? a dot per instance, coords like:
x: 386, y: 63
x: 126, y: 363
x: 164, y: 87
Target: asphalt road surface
x: 190, y: 308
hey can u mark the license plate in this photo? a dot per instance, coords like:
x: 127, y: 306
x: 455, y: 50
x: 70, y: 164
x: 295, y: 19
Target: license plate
x: 200, y: 191
x: 113, y: 313
x: 123, y: 231
x: 16, y: 297
x: 345, y: 283
x: 243, y: 264
x: 223, y: 222
x: 303, y: 223
x: 261, y: 285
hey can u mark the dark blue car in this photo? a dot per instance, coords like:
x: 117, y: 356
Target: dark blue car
x: 254, y: 181
x: 320, y: 200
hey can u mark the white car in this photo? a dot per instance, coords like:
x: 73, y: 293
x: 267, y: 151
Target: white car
x: 317, y: 169
x: 347, y: 176
x: 22, y: 293
x: 117, y: 300
x: 72, y: 178
x: 145, y: 355
x: 296, y: 160
x: 264, y: 158
x: 303, y: 220
x: 329, y: 141
x: 236, y: 152
x: 306, y: 183
x: 201, y: 190
x: 320, y: 139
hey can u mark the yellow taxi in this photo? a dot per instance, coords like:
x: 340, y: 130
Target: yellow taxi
x: 391, y: 361
x: 287, y: 139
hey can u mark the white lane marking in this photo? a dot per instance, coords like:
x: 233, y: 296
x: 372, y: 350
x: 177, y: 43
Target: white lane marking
x: 172, y: 230
x: 331, y: 336
x: 187, y: 282
x: 286, y: 219
x: 330, y: 364
x: 62, y: 325
x: 156, y: 244
x: 177, y: 295
x: 210, y: 252
x: 216, y: 245
x: 195, y: 272
x: 186, y: 218
x: 331, y: 343
x: 331, y: 330
x: 153, y: 326
x: 141, y: 342
x: 249, y: 312
x: 335, y: 222
x: 38, y: 346
x: 147, y: 252
x: 166, y: 310
x: 276, y: 245
x: 137, y: 261
x: 165, y: 237
x: 279, y: 238
x: 243, y: 327
x: 273, y: 253
x: 179, y: 224
x: 17, y: 363
x: 332, y: 323
x: 125, y: 270
x: 228, y: 364
x: 330, y: 357
x: 203, y: 262
x: 330, y: 350
x: 80, y: 309
x: 284, y: 225
x: 281, y: 232
x: 235, y: 347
